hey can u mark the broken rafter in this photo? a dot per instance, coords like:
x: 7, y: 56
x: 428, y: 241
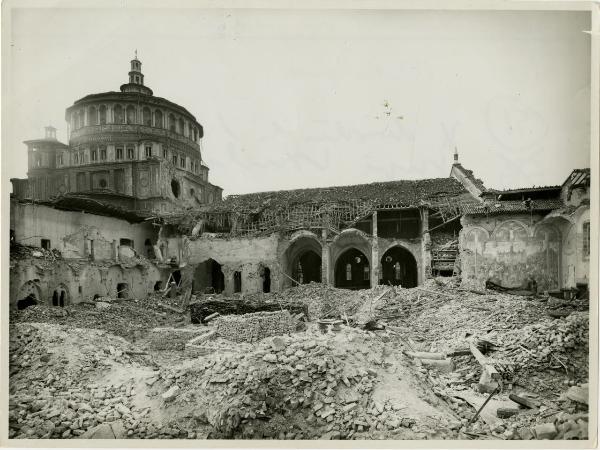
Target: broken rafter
x: 442, y: 224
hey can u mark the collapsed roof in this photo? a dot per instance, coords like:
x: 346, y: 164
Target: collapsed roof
x: 334, y: 208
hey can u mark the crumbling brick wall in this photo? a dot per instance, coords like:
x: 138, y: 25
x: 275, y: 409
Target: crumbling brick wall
x: 255, y: 326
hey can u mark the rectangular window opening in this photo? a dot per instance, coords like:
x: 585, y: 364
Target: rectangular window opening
x: 586, y: 239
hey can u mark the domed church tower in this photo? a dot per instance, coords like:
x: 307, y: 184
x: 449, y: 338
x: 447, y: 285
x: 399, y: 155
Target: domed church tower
x: 129, y: 149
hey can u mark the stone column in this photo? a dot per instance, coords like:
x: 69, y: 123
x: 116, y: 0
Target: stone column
x: 324, y: 258
x: 374, y: 252
x: 425, y: 272
x: 115, y: 250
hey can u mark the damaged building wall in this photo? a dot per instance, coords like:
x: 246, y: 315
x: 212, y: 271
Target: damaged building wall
x: 80, y: 280
x: 576, y: 255
x: 242, y: 261
x: 509, y: 250
x: 77, y: 234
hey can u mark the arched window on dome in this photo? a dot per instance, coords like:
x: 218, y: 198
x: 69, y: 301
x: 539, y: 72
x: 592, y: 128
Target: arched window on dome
x: 172, y: 124
x: 158, y: 119
x: 102, y: 114
x: 119, y: 116
x: 93, y: 115
x: 195, y: 134
x: 130, y: 114
x: 81, y: 118
x: 147, y: 117
x: 180, y: 126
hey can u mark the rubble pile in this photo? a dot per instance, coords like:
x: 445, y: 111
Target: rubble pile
x: 254, y: 327
x: 131, y: 319
x: 54, y: 392
x: 324, y: 301
x: 558, y: 343
x: 313, y: 383
x: 172, y: 338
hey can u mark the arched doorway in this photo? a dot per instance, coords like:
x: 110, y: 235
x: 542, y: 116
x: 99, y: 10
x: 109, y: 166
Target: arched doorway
x: 399, y: 268
x: 122, y: 290
x: 209, y: 277
x: 307, y: 267
x: 303, y: 259
x: 352, y: 270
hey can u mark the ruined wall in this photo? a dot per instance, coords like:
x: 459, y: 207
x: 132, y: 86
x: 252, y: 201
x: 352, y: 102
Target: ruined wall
x: 81, y: 280
x: 509, y: 249
x: 246, y: 255
x: 575, y: 259
x: 71, y: 232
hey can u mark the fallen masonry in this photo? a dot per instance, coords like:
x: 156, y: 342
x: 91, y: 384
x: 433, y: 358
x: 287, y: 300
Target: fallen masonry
x: 434, y: 362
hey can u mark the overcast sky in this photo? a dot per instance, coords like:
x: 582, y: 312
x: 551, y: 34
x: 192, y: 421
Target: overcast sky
x: 292, y: 99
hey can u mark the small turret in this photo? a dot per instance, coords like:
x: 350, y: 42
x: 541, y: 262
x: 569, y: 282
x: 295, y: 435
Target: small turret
x: 50, y: 132
x: 136, y: 78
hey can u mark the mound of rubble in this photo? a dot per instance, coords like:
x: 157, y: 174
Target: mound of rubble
x: 304, y: 386
x: 66, y: 382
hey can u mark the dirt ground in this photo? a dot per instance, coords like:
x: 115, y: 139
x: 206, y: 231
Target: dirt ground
x: 123, y: 370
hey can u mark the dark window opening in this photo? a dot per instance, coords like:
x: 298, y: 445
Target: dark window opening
x: 103, y: 154
x: 176, y: 276
x: 175, y: 188
x: 119, y: 153
x: 46, y: 244
x: 28, y: 301
x: 59, y: 298
x: 102, y: 183
x: 122, y: 290
x: 266, y: 279
x: 149, y: 249
x: 398, y: 224
x: 237, y: 281
x: 148, y: 151
x: 126, y: 242
x: 129, y: 152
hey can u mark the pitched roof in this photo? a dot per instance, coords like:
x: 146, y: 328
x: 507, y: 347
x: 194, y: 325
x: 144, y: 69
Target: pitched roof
x: 511, y: 206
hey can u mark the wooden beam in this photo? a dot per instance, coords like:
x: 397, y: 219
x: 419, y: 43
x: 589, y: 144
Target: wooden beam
x: 483, y: 361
